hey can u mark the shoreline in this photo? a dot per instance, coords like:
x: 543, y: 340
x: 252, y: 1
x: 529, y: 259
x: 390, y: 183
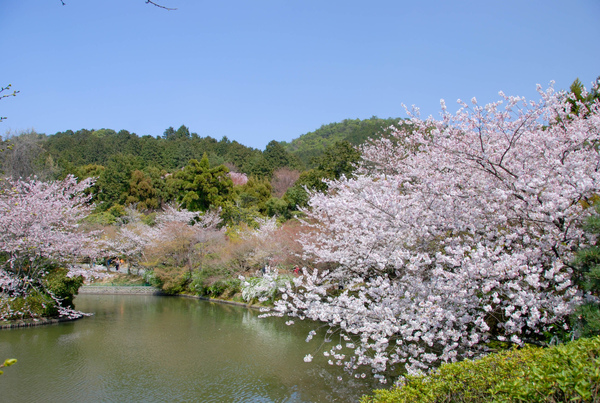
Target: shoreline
x: 149, y: 290
x: 115, y: 290
x: 119, y: 289
x: 16, y: 324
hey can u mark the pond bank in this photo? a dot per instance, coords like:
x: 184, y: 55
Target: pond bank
x: 149, y: 290
x: 14, y: 324
x: 114, y: 290
x: 119, y: 289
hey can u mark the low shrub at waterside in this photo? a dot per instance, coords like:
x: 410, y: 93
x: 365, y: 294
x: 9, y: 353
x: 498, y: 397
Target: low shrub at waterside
x: 214, y: 285
x: 55, y: 292
x: 564, y: 373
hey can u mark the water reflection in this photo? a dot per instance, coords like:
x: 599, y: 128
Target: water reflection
x: 159, y: 349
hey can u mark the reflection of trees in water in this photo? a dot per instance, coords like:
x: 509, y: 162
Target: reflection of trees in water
x: 194, y: 341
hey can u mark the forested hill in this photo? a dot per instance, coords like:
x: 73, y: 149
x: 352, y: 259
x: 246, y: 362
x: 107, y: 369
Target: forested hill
x: 65, y: 152
x: 150, y: 172
x: 172, y: 151
x: 313, y: 144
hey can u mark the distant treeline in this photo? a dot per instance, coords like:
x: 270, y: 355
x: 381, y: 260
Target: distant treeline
x: 185, y: 168
x: 355, y: 131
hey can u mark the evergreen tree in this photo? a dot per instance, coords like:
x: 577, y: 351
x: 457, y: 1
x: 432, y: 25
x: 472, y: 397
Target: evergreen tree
x: 587, y: 275
x: 201, y: 187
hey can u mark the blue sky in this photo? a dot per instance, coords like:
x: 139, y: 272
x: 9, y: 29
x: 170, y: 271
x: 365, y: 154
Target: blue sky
x: 264, y: 70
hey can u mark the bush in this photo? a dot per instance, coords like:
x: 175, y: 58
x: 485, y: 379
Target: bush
x: 171, y: 280
x: 35, y: 304
x: 569, y: 372
x: 63, y: 287
x: 225, y: 288
x: 38, y: 302
x: 214, y: 283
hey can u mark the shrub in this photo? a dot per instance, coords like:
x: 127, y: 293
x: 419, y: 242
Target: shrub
x: 39, y: 301
x: 170, y: 279
x: 212, y: 283
x: 569, y: 372
x: 63, y: 287
x: 566, y: 373
x: 227, y: 287
x: 35, y: 304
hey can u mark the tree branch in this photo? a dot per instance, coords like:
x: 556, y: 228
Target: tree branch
x: 147, y: 2
x: 159, y: 6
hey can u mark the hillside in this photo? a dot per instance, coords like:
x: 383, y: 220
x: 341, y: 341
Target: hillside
x: 356, y: 131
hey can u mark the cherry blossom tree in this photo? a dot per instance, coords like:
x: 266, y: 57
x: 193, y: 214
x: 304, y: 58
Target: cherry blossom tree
x: 40, y: 230
x: 186, y: 234
x: 178, y: 241
x: 238, y: 178
x: 452, y: 236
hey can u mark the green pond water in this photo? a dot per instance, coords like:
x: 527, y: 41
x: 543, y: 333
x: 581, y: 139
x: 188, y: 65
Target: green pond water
x: 169, y: 349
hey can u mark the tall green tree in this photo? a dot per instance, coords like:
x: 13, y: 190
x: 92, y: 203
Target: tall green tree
x: 581, y: 97
x: 141, y: 192
x: 587, y: 275
x: 113, y: 183
x: 274, y: 157
x: 338, y: 160
x: 200, y: 187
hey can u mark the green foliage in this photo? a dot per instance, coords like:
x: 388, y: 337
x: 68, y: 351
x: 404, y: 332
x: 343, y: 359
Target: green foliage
x: 278, y: 157
x: 586, y: 318
x: 63, y: 287
x: 142, y: 192
x: 355, y: 131
x: 39, y: 300
x: 149, y: 219
x: 113, y: 183
x: 169, y: 279
x: 204, y: 283
x: 101, y: 218
x: 201, y: 187
x: 233, y: 214
x: 577, y: 90
x: 75, y: 149
x: 7, y: 363
x: 274, y: 157
x: 36, y: 302
x: 141, y: 171
x: 279, y: 207
x: 569, y: 372
x: 255, y: 192
x: 338, y: 159
x: 117, y: 211
x: 133, y: 170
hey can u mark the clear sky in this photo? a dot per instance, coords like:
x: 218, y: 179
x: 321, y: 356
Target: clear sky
x: 262, y: 70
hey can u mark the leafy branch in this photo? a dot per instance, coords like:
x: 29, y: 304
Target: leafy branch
x: 7, y: 363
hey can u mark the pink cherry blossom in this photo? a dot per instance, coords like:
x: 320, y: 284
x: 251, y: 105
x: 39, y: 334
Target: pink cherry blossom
x: 40, y: 227
x: 453, y: 234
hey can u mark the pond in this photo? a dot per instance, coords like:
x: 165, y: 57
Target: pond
x: 168, y: 349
